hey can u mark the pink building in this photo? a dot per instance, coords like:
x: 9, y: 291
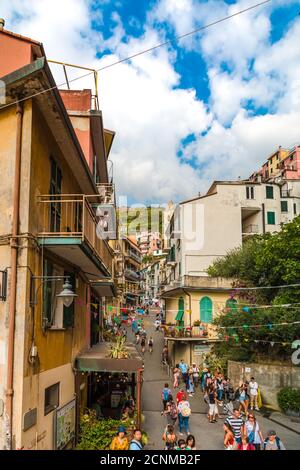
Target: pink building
x: 290, y: 166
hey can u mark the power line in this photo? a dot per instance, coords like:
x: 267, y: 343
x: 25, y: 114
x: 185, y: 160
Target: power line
x: 170, y: 41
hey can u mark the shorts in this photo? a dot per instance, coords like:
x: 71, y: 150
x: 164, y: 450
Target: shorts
x: 213, y: 409
x: 242, y: 398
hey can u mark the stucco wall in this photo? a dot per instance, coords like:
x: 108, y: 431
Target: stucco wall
x: 270, y: 377
x: 40, y: 437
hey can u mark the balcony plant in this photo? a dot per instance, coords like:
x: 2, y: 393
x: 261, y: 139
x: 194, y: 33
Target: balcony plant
x: 118, y: 350
x: 197, y: 323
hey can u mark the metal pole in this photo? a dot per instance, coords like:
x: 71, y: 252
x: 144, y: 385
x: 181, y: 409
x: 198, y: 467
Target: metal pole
x: 139, y: 397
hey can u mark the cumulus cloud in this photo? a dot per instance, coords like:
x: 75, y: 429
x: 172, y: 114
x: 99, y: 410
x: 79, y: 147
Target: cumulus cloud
x: 142, y: 100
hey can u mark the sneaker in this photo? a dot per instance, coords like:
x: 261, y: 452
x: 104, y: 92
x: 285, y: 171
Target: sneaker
x: 257, y: 409
x: 180, y: 433
x: 251, y: 408
x: 191, y: 395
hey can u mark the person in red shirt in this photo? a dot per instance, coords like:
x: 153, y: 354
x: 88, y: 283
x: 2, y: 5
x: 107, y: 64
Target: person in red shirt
x: 244, y: 445
x: 181, y: 395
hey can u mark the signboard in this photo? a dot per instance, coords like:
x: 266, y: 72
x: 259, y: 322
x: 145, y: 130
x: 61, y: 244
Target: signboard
x: 64, y: 425
x: 247, y: 370
x: 200, y: 349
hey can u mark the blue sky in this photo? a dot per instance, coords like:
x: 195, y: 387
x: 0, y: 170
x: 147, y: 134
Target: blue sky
x: 211, y: 106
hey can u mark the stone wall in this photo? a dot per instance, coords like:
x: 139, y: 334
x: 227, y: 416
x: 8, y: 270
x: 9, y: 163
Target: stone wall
x: 270, y: 377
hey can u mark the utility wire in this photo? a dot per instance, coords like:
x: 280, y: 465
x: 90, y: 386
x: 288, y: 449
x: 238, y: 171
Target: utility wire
x: 170, y: 41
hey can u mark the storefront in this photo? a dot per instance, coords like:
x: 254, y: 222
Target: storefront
x: 110, y: 382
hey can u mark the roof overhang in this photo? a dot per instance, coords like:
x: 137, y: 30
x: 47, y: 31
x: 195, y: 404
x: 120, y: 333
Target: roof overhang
x: 104, y: 288
x: 108, y: 139
x: 96, y: 360
x: 34, y: 79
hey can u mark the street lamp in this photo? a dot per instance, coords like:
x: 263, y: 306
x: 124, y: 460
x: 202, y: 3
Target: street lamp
x: 67, y: 294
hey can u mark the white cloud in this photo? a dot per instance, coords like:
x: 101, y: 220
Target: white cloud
x: 142, y: 101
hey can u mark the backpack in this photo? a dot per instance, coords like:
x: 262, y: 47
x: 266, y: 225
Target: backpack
x: 173, y: 411
x: 166, y: 394
x: 277, y: 442
x: 186, y: 411
x: 251, y: 435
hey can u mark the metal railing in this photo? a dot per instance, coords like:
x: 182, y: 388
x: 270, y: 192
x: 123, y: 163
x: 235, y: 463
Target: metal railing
x: 252, y: 228
x: 72, y: 216
x: 176, y: 331
x: 107, y: 193
x: 130, y: 274
x: 133, y: 255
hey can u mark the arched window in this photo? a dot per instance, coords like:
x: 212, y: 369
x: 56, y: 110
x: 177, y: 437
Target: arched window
x: 232, y: 304
x: 180, y: 313
x: 206, y: 310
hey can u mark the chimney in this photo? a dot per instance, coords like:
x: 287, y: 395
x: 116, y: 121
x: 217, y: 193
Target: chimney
x: 2, y: 23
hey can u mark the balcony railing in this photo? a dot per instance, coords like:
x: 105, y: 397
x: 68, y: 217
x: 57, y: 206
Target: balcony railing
x: 252, y: 228
x: 286, y: 193
x: 130, y: 274
x: 107, y: 193
x: 71, y: 216
x: 133, y: 255
x: 176, y: 331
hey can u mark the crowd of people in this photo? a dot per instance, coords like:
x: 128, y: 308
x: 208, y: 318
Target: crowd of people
x: 236, y: 406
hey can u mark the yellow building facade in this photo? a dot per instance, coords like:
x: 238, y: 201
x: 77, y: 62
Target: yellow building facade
x: 56, y: 239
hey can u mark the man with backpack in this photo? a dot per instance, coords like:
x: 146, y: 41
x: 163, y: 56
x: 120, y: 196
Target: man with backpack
x: 273, y: 442
x: 165, y: 394
x: 136, y: 443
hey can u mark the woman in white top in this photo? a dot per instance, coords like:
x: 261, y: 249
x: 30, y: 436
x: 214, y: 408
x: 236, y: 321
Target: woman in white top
x: 254, y: 433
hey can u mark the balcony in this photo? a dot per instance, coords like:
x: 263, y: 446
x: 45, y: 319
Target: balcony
x: 131, y: 275
x: 286, y: 193
x: 69, y: 230
x: 251, y: 229
x: 133, y: 255
x: 107, y: 193
x: 188, y: 332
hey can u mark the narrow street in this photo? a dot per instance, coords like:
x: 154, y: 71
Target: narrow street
x: 208, y: 436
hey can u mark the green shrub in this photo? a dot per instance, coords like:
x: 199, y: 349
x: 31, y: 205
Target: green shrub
x: 289, y: 399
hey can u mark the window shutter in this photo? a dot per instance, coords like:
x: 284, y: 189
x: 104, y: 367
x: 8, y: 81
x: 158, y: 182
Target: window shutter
x: 68, y: 313
x: 284, y: 206
x: 271, y: 218
x: 269, y: 192
x: 206, y: 314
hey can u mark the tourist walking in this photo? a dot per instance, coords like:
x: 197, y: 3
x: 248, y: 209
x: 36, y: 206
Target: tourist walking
x: 253, y: 431
x: 143, y: 345
x: 120, y: 441
x: 253, y: 391
x: 136, y: 442
x: 220, y: 386
x: 244, y: 398
x: 150, y: 344
x: 171, y: 411
x: 228, y: 437
x: 169, y: 437
x: 212, y: 404
x: 165, y: 394
x: 190, y: 385
x: 245, y: 444
x: 184, y: 413
x: 195, y: 370
x: 237, y: 423
x: 273, y: 442
x: 176, y: 376
x: 184, y: 371
x: 190, y: 442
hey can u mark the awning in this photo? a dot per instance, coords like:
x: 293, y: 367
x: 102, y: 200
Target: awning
x: 95, y: 360
x: 179, y: 315
x: 104, y: 288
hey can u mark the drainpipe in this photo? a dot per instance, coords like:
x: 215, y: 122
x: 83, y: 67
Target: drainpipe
x: 13, y: 280
x: 190, y: 314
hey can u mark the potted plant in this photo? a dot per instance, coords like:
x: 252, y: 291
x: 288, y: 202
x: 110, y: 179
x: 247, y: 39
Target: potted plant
x: 197, y: 323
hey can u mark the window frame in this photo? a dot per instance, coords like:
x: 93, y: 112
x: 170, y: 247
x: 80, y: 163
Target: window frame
x: 269, y: 191
x: 285, y: 204
x: 51, y: 407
